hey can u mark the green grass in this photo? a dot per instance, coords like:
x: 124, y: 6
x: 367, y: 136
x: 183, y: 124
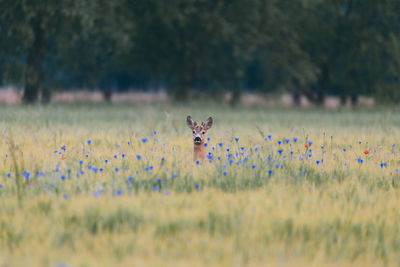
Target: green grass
x: 337, y: 212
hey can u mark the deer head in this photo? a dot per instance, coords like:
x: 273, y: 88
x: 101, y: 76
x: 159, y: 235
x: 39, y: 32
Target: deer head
x: 199, y: 131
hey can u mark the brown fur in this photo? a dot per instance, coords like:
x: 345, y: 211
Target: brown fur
x: 199, y: 131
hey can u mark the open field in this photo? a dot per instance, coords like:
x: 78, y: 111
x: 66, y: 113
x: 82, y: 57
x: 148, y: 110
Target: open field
x: 90, y: 185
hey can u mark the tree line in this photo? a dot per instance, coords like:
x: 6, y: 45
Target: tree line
x: 305, y: 47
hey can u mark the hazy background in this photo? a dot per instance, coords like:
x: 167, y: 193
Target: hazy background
x: 299, y: 51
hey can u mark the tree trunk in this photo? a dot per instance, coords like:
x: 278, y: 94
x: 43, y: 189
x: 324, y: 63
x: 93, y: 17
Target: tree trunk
x: 296, y: 98
x: 236, y: 94
x: 33, y: 73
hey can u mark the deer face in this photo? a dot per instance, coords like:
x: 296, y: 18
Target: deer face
x: 198, y: 131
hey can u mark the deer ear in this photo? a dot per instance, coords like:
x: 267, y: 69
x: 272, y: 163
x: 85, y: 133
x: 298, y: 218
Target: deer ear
x: 209, y: 123
x: 190, y: 122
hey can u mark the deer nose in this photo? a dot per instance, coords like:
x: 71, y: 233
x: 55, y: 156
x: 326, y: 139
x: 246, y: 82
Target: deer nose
x: 197, y: 139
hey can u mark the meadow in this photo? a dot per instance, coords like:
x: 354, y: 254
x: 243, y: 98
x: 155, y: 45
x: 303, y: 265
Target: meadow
x: 104, y: 185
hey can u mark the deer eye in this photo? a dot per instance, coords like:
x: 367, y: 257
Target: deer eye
x: 194, y: 132
x: 203, y: 132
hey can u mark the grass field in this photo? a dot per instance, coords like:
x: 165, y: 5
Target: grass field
x: 116, y: 185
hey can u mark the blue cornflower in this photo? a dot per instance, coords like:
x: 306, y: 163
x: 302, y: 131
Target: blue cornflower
x: 220, y: 144
x: 291, y: 152
x: 26, y: 174
x: 317, y: 162
x: 174, y: 175
x: 196, y: 186
x: 279, y: 142
x: 360, y: 160
x: 138, y: 156
x: 97, y: 193
x: 63, y: 177
x: 89, y: 141
x: 155, y: 132
x: 269, y: 136
x: 225, y: 173
x: 155, y: 188
x: 295, y: 139
x: 280, y: 151
x: 116, y: 169
x: 208, y: 138
x: 287, y: 140
x: 162, y: 159
x: 129, y: 142
x: 394, y: 145
x: 123, y: 155
x: 309, y: 143
x: 130, y: 179
x: 236, y: 139
x: 344, y: 149
x: 144, y: 140
x: 101, y: 169
x: 64, y: 147
x: 205, y: 144
x: 55, y: 151
x: 65, y: 196
x: 87, y: 156
x: 254, y: 166
x: 118, y: 192
x: 158, y: 180
x: 229, y: 155
x: 242, y: 147
x: 69, y: 170
x: 197, y: 162
x: 81, y: 162
x: 277, y: 166
x: 115, y: 156
x: 82, y: 172
x: 106, y: 161
x: 269, y: 171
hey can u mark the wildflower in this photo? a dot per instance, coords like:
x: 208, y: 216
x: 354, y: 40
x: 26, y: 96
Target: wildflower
x: 118, y: 192
x: 63, y: 147
x: 63, y: 177
x: 287, y: 140
x: 197, y: 162
x: 224, y: 173
x: 253, y: 166
x: 205, y: 144
x: 269, y: 172
x: 138, y: 156
x: 280, y: 151
x: 344, y: 149
x: 155, y: 132
x: 360, y: 160
x: 101, y: 169
x: 123, y: 155
x: 82, y: 172
x: 63, y: 158
x: 97, y: 193
x: 89, y: 141
x: 129, y: 179
x: 81, y: 162
x: 208, y: 138
x: 116, y: 169
x: 310, y: 143
x: 106, y: 161
x: 129, y: 142
x: 144, y: 140
x: 174, y: 175
x: 220, y: 144
x: 242, y: 148
x: 317, y: 162
x: 269, y: 136
x: 236, y: 139
x: 87, y: 156
x: 366, y: 152
x: 196, y: 186
x: 295, y: 139
x: 158, y: 180
x: 279, y: 142
x: 162, y: 159
x: 26, y: 174
x: 8, y: 174
x: 277, y: 166
x: 65, y: 196
x: 115, y: 156
x: 306, y: 145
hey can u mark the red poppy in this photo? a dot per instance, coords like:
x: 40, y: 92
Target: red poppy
x: 62, y: 157
x: 306, y: 145
x: 366, y: 152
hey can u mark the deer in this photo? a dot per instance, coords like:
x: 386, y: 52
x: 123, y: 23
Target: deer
x: 199, y: 131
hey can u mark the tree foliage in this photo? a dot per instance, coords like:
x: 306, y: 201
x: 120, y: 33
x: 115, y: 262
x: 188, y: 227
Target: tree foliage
x: 310, y: 47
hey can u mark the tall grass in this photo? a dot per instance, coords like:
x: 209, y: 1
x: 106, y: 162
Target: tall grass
x: 88, y: 185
